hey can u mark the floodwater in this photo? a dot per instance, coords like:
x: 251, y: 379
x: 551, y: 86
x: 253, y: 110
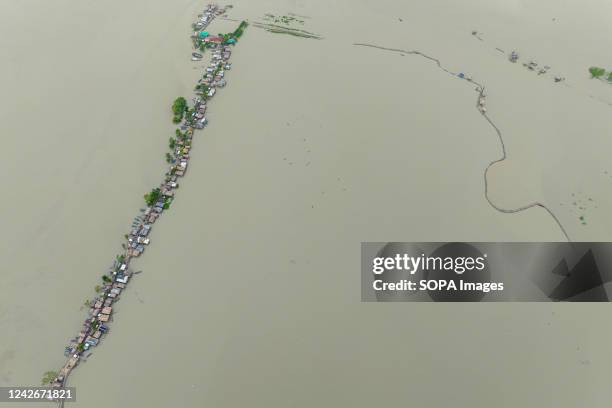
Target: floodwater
x: 250, y: 287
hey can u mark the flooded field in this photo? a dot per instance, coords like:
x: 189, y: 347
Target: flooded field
x: 250, y: 288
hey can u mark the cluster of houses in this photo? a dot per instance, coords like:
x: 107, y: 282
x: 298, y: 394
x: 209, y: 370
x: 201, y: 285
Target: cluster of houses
x: 101, y: 307
x: 95, y: 326
x: 215, y: 72
x: 200, y: 36
x: 207, y: 16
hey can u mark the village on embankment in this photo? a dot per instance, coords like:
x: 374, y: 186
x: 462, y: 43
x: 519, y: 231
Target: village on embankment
x: 96, y: 326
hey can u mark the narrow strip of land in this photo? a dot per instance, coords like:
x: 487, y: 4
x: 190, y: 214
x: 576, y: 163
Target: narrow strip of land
x: 480, y: 89
x: 101, y: 308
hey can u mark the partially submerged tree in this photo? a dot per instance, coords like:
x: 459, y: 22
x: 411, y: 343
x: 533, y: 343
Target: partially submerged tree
x: 597, y: 72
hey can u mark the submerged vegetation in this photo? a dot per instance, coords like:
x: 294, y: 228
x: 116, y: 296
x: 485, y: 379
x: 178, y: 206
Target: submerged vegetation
x: 601, y: 74
x: 597, y: 72
x: 280, y: 25
x: 48, y: 377
x: 282, y: 19
x: 276, y: 29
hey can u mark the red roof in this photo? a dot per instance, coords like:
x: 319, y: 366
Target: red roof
x: 214, y: 39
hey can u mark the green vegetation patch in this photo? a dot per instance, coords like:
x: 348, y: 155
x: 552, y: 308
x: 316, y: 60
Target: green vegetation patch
x: 597, y: 72
x: 182, y: 137
x: 152, y: 197
x: 287, y: 20
x: 236, y: 34
x: 48, y: 377
x: 178, y: 108
x: 276, y: 29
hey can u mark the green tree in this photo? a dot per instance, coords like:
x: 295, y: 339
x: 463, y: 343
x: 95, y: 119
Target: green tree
x: 178, y: 108
x: 596, y: 72
x: 152, y: 197
x: 179, y: 105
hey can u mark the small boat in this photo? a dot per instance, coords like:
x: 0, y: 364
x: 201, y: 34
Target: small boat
x: 196, y: 55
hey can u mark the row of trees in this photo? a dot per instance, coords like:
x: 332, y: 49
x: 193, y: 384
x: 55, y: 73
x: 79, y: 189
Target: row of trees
x: 236, y: 34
